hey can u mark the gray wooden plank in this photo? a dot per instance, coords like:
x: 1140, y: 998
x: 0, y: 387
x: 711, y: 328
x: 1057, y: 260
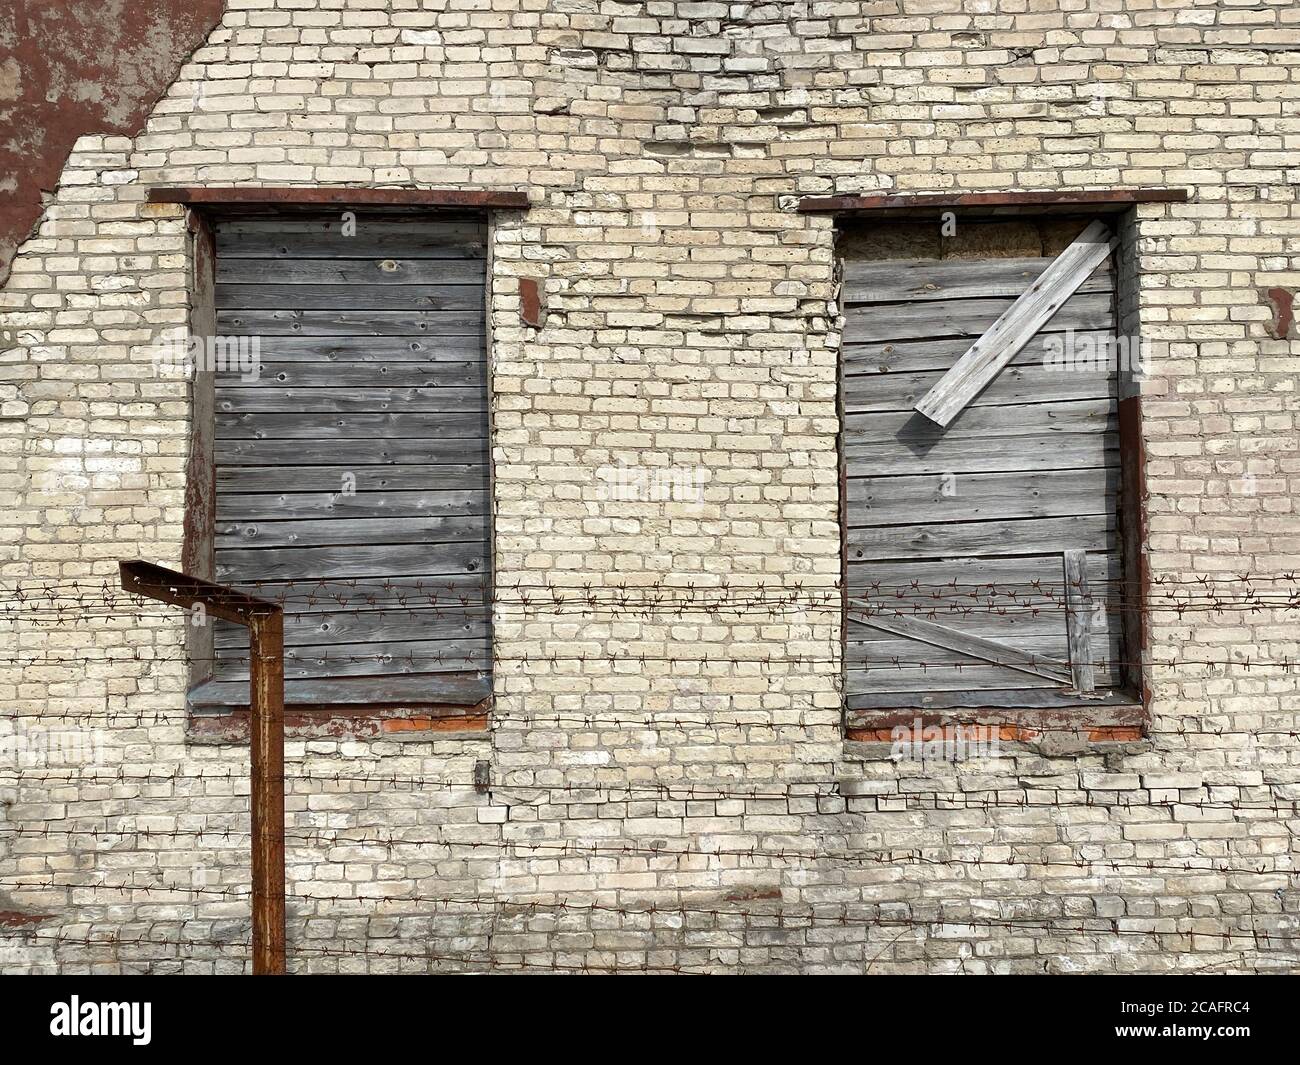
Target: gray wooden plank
x: 349, y: 454
x: 366, y: 659
x: 908, y: 280
x: 384, y: 560
x: 1079, y: 619
x: 270, y: 531
x: 231, y: 269
x: 375, y: 297
x: 1013, y: 386
x: 920, y: 356
x: 330, y: 594
x: 451, y: 689
x: 424, y: 350
x: 274, y: 398
x: 978, y: 423
x: 924, y: 500
x: 1091, y: 532
x: 321, y: 237
x: 349, y: 323
x: 966, y: 318
x: 253, y: 506
x: 1047, y: 451
x: 1030, y: 576
x: 371, y: 627
x: 366, y: 480
x: 1016, y: 327
x: 335, y: 373
x: 326, y: 429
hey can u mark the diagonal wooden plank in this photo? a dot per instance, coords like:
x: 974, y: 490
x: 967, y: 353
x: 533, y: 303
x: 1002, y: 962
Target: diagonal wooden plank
x: 1078, y: 619
x: 1017, y: 325
x: 949, y: 639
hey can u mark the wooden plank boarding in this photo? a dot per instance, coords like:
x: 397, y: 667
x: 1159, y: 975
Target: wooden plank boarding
x: 1018, y: 325
x: 359, y: 451
x: 955, y: 535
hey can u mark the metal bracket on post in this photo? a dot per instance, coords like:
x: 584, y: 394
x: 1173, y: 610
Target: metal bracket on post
x: 265, y: 623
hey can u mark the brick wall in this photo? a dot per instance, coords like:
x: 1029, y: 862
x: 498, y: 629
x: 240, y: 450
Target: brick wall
x: 672, y: 785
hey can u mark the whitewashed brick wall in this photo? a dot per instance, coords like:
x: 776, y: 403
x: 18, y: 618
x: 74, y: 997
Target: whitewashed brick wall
x: 689, y: 325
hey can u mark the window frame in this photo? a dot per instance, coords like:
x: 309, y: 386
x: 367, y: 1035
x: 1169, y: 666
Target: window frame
x: 404, y: 719
x: 1126, y: 714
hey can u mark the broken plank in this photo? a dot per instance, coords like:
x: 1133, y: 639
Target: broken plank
x: 987, y: 651
x: 1078, y: 617
x: 1018, y: 325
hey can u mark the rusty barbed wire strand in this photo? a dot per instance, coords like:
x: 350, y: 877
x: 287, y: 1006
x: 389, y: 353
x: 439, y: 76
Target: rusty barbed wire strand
x: 1101, y: 926
x: 522, y: 850
x: 694, y: 791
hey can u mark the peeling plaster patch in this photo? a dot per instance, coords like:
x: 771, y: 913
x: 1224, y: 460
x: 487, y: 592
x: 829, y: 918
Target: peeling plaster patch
x: 80, y: 67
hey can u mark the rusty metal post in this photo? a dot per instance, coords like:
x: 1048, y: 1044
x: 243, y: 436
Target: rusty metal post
x: 266, y: 751
x: 265, y: 623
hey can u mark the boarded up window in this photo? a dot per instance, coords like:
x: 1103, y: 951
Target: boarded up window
x: 983, y: 559
x: 351, y: 467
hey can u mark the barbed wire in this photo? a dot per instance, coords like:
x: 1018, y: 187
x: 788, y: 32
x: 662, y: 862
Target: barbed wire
x: 393, y: 843
x: 1094, y: 926
x: 913, y: 798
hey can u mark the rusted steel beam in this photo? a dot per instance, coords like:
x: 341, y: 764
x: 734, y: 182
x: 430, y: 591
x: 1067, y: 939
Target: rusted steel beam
x: 266, y: 755
x: 265, y: 622
x: 1098, y: 198
x: 180, y: 589
x: 253, y: 196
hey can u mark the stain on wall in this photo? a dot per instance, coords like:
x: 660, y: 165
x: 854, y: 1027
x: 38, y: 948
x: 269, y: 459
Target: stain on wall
x: 78, y: 67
